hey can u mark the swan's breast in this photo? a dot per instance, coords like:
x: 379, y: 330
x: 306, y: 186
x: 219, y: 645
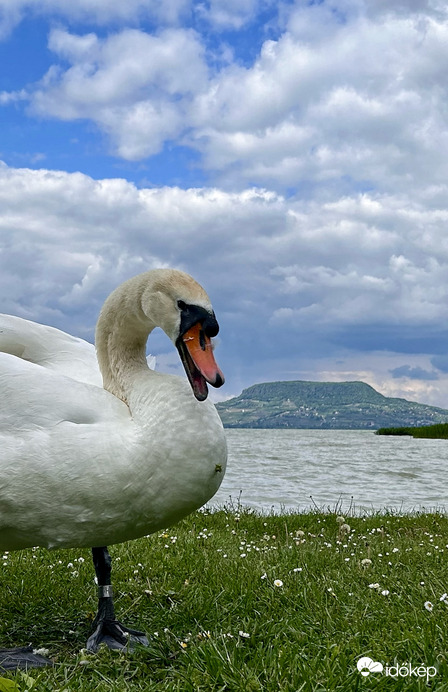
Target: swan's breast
x: 186, y: 464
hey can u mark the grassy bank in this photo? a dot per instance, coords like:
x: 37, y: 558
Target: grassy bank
x: 437, y: 431
x: 238, y: 601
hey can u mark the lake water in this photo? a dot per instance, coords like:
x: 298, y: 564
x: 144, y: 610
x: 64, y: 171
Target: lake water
x: 281, y: 469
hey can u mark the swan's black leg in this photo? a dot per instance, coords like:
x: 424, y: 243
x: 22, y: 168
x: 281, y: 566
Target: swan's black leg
x: 107, y: 630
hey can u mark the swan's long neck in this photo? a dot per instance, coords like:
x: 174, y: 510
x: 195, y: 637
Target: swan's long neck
x: 121, y: 334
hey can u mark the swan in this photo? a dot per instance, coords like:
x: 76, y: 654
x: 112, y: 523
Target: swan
x: 97, y: 448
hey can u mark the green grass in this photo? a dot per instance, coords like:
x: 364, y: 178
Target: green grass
x: 437, y: 431
x: 200, y: 587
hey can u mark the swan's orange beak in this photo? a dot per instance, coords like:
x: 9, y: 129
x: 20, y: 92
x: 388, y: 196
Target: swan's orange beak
x: 196, y: 351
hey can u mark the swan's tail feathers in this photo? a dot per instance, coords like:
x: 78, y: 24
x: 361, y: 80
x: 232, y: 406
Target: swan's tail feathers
x: 22, y: 657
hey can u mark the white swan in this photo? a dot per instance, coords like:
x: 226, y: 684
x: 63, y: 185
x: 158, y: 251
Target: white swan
x: 83, y: 465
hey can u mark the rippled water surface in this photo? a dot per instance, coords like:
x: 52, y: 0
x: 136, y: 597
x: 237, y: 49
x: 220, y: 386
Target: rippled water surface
x: 281, y: 469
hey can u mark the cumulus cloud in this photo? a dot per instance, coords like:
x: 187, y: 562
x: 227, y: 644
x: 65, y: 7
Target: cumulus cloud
x: 133, y: 85
x: 324, y: 223
x: 220, y: 14
x: 362, y: 261
x: 230, y: 14
x: 102, y: 12
x: 8, y: 97
x: 68, y: 240
x: 346, y: 114
x: 317, y: 110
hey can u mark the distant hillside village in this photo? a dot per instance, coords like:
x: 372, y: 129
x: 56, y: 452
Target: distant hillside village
x: 324, y: 405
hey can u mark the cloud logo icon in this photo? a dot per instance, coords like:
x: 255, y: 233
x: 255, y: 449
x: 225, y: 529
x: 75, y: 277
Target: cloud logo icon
x: 366, y: 666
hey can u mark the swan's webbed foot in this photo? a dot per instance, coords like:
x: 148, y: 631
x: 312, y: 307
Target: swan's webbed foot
x: 106, y: 629
x: 22, y: 657
x: 115, y: 636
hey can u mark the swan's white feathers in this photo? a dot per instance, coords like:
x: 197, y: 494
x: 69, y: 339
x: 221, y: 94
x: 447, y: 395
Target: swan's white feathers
x: 78, y: 466
x: 49, y: 347
x: 33, y: 396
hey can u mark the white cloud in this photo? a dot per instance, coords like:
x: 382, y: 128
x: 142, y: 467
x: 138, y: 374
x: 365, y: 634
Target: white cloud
x: 361, y: 99
x: 347, y: 98
x: 101, y: 12
x: 133, y: 85
x: 67, y: 239
x: 219, y: 14
x: 342, y: 124
x: 363, y: 261
x: 8, y: 97
x: 230, y: 14
x: 352, y: 275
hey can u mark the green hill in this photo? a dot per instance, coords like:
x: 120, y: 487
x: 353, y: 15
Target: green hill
x: 338, y: 405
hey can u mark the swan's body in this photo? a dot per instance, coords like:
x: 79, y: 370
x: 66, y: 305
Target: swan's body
x: 78, y: 470
x: 94, y: 452
x: 83, y: 466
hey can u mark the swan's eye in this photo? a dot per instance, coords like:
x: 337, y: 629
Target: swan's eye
x: 181, y: 305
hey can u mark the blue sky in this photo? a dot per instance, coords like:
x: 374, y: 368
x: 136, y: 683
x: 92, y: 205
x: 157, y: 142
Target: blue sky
x: 291, y: 156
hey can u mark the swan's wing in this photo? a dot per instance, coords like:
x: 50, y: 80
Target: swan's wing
x: 49, y: 347
x: 35, y: 400
x: 63, y: 444
x: 53, y: 349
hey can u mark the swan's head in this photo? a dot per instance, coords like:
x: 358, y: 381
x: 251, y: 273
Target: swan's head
x: 175, y: 302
